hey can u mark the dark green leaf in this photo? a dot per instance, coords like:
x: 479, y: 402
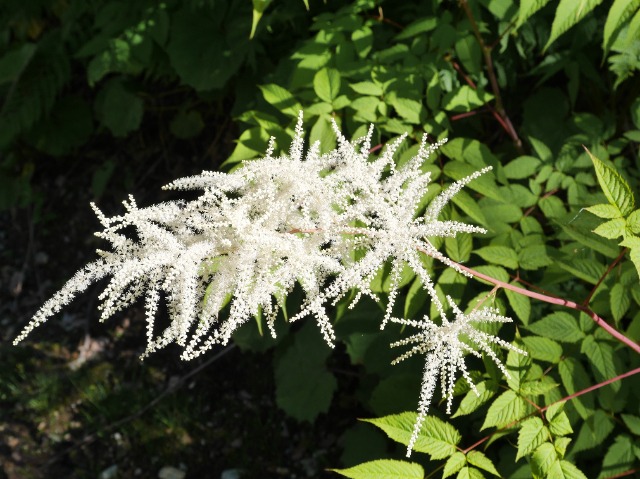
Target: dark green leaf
x: 383, y: 469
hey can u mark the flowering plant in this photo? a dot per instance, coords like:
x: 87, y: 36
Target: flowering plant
x: 328, y: 222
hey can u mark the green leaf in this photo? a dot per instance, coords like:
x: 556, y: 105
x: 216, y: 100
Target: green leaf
x: 528, y: 8
x: 634, y: 254
x: 633, y: 222
x: 508, y: 408
x: 518, y: 366
x: 620, y: 11
x: 613, y: 185
x: 619, y: 457
x: 585, y: 237
x: 600, y: 354
x: 367, y: 88
x: 281, y: 99
x: 604, y: 211
x: 366, y: 108
x: 632, y: 422
x: 568, y: 13
x: 561, y: 444
x: 594, y: 431
x: 533, y: 257
x: 522, y: 167
x: 560, y: 326
x: 611, y: 229
x: 568, y: 471
x: 559, y: 424
x: 619, y: 300
x: 383, y: 469
x: 418, y: 27
x: 520, y: 304
x: 500, y: 255
x: 478, y: 459
x: 532, y: 434
x: 411, y: 110
x: 470, y: 207
x: 469, y: 473
x: 119, y: 109
x: 326, y: 84
x: 13, y: 63
x: 472, y: 401
x: 322, y: 131
x: 575, y: 378
x: 454, y: 464
x: 485, y: 184
x: 543, y: 460
x: 544, y: 349
x: 465, y: 98
x: 362, y: 41
x: 259, y: 6
x: 459, y: 247
x: 416, y: 298
x: 437, y: 438
x: 304, y: 387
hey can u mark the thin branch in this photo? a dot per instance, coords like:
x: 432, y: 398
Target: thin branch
x: 543, y: 409
x: 552, y: 300
x: 587, y: 300
x: 493, y: 79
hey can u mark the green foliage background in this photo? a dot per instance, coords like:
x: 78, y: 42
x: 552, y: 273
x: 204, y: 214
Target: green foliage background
x: 520, y: 86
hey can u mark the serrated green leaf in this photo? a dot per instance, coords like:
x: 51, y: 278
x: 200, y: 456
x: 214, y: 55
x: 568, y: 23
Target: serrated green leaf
x: 469, y: 473
x: 459, y: 247
x: 537, y: 387
x: 613, y: 185
x: 593, y: 431
x: 587, y: 269
x: 362, y: 41
x: 326, y: 84
x: 520, y: 304
x: 634, y: 254
x: 120, y: 109
x: 506, y: 409
x: 465, y: 98
x: 416, y: 298
x: 478, y: 459
x: 633, y: 222
x: 575, y: 378
x: 568, y: 471
x: 485, y: 184
x: 619, y: 301
x: 544, y: 349
x: 611, y: 229
x: 600, y: 354
x: 500, y: 255
x: 417, y: 27
x: 472, y: 401
x: 560, y: 326
x: 588, y: 239
x: 410, y: 110
x: 281, y: 99
x: 559, y: 424
x: 632, y: 422
x: 383, y: 469
x: 437, y: 438
x: 528, y: 8
x: 619, y: 457
x: 454, y: 464
x: 518, y: 366
x: 469, y: 206
x: 561, y: 444
x: 534, y: 257
x: 521, y: 167
x: 532, y: 434
x: 605, y: 210
x: 620, y: 11
x: 543, y: 460
x: 568, y: 13
x: 367, y: 88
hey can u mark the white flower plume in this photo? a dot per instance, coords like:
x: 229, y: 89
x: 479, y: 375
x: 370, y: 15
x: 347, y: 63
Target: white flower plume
x: 239, y: 248
x: 444, y: 347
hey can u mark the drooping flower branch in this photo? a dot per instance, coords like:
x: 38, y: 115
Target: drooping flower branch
x: 328, y: 222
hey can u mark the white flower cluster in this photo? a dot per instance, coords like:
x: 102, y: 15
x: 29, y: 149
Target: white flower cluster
x: 328, y: 222
x: 444, y: 348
